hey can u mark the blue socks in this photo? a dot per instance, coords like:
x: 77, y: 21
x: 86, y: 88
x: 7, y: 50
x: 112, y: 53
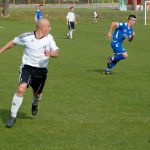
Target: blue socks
x: 117, y: 57
x: 112, y: 64
x: 114, y: 60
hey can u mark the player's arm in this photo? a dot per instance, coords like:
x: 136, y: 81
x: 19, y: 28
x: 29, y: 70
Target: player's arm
x: 67, y: 18
x: 75, y: 21
x: 113, y: 25
x: 7, y: 46
x: 67, y: 21
x: 51, y: 53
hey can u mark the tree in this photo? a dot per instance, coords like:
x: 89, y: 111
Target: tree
x: 5, y: 12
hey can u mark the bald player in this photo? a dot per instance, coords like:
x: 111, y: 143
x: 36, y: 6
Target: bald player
x: 39, y: 47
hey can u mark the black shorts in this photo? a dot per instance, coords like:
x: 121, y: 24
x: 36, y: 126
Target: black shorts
x: 34, y: 77
x: 71, y: 25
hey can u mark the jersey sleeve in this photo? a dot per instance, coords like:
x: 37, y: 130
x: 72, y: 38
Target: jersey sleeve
x: 67, y: 15
x: 53, y: 46
x: 121, y: 25
x: 19, y: 40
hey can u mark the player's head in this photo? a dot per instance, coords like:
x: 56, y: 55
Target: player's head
x: 43, y: 25
x: 40, y: 6
x: 131, y: 20
x: 132, y: 17
x: 71, y: 8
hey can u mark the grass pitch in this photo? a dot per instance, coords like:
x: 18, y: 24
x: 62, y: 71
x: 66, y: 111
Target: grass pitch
x: 81, y: 109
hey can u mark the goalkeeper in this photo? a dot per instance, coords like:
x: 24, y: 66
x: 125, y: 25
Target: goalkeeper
x: 122, y: 31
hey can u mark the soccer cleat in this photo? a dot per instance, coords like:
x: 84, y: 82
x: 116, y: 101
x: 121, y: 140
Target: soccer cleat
x: 67, y: 35
x: 35, y: 110
x: 10, y: 122
x: 107, y: 72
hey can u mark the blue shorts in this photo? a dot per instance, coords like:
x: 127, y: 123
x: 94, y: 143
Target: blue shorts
x: 117, y: 48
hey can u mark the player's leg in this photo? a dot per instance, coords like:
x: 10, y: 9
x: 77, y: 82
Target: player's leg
x: 71, y: 33
x: 111, y: 63
x: 35, y: 103
x: 119, y: 54
x: 94, y: 20
x: 69, y: 27
x: 37, y: 95
x: 37, y: 86
x: 72, y: 26
x: 18, y: 96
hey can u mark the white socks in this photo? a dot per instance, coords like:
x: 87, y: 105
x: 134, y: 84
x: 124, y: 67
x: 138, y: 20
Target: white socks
x: 71, y: 34
x: 16, y: 103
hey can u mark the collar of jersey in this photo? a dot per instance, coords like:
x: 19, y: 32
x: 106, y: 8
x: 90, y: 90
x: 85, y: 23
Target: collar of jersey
x: 36, y: 37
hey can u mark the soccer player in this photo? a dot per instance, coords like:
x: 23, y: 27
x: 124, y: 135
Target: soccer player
x: 122, y: 31
x: 71, y: 21
x: 39, y: 47
x: 96, y: 15
x: 38, y: 13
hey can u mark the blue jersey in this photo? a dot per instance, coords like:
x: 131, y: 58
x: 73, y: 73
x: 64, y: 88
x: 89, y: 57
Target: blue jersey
x: 122, y: 32
x: 38, y: 14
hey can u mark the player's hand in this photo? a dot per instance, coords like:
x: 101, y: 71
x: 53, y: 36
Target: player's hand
x: 47, y: 53
x: 130, y: 38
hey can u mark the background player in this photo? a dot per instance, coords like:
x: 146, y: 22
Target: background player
x: 39, y: 13
x: 71, y: 21
x: 96, y: 15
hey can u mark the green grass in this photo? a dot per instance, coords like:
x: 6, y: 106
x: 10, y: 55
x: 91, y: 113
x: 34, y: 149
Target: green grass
x: 81, y: 109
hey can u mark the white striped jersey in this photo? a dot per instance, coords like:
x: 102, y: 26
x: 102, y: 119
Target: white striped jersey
x: 34, y: 49
x: 70, y: 16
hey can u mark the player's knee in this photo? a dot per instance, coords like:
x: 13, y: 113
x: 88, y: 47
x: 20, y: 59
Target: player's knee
x: 21, y: 89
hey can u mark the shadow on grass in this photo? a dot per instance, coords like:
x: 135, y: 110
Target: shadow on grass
x: 99, y: 71
x: 61, y: 38
x: 5, y: 114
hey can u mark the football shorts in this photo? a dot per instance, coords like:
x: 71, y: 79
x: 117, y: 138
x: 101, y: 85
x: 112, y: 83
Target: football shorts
x: 34, y: 77
x: 117, y: 48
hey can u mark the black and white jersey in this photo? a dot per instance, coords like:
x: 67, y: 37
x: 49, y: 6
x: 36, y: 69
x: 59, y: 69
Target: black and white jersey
x: 34, y: 49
